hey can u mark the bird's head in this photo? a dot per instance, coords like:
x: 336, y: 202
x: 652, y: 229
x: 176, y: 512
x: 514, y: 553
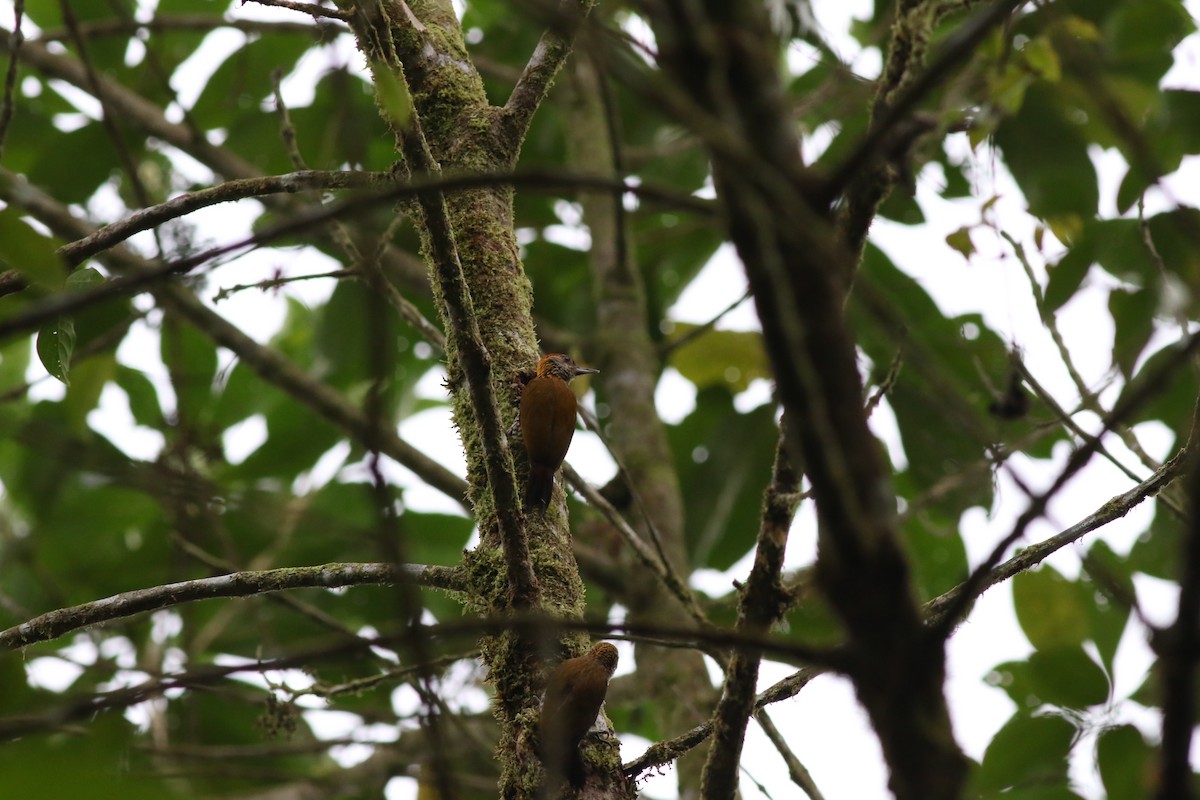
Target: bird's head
x: 561, y: 366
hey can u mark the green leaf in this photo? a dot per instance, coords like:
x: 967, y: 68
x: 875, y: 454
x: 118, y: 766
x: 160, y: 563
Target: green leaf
x: 731, y: 359
x: 1133, y: 318
x: 143, y: 397
x: 1047, y: 154
x: 725, y: 459
x: 28, y: 252
x: 1108, y: 579
x: 1042, y: 59
x: 938, y: 381
x: 960, y: 240
x: 56, y: 340
x: 939, y: 558
x: 191, y: 360
x: 103, y: 765
x: 55, y: 346
x: 77, y: 165
x: 239, y: 86
x: 1027, y: 752
x: 1126, y: 763
x: 1141, y: 35
x: 1065, y: 676
x: 1049, y: 609
x: 392, y: 95
x: 1156, y: 551
x: 88, y: 379
x: 1172, y: 391
x: 1066, y: 276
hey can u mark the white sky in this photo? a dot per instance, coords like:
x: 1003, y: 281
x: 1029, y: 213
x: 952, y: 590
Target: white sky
x: 825, y: 726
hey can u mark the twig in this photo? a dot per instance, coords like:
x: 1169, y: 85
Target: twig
x: 657, y: 565
x: 763, y: 603
x: 239, y: 189
x: 1087, y: 397
x: 467, y: 342
x: 548, y: 56
x: 1130, y: 402
x: 287, y: 131
x: 92, y: 29
x: 796, y: 770
x: 937, y: 609
x: 313, y: 10
x: 54, y: 624
x: 9, y: 104
x: 671, y: 345
x: 275, y: 283
x: 671, y: 749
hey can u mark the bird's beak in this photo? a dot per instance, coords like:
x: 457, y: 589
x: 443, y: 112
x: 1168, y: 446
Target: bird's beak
x: 585, y: 371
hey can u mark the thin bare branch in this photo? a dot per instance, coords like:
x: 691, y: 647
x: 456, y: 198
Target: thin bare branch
x: 230, y: 191
x: 54, y: 624
x: 1122, y: 411
x: 552, y: 50
x: 312, y: 9
x: 763, y: 603
x: 9, y: 104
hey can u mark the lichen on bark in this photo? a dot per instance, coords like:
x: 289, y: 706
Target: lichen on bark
x: 460, y: 129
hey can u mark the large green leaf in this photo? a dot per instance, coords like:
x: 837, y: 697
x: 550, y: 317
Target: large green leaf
x: 720, y: 358
x: 1027, y: 752
x: 1048, y: 156
x: 1108, y: 584
x: 29, y: 252
x: 1133, y: 316
x: 102, y: 764
x: 1050, y: 609
x: 243, y: 81
x: 191, y: 359
x: 1125, y: 763
x: 724, y: 458
x: 939, y: 399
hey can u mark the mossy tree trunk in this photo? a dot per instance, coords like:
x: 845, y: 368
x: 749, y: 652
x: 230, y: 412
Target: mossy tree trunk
x: 461, y: 132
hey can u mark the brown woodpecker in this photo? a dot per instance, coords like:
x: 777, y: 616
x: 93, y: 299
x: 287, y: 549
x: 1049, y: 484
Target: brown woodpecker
x: 548, y: 423
x: 573, y: 698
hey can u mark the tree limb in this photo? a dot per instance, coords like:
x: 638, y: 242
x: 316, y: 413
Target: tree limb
x: 54, y: 624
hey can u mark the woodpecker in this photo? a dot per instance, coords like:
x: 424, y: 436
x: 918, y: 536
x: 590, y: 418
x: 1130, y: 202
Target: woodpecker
x: 574, y: 694
x: 548, y: 423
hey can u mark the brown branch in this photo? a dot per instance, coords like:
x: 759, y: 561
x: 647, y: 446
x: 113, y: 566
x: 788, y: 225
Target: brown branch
x: 864, y: 175
x: 313, y: 10
x: 92, y: 29
x: 1178, y: 650
x: 54, y: 624
x: 671, y: 749
x: 648, y: 557
x: 230, y: 191
x: 796, y: 770
x: 9, y: 104
x: 763, y: 603
x: 1121, y: 413
x: 938, y: 609
x: 538, y: 75
x: 467, y: 342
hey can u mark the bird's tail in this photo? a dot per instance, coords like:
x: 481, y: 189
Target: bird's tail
x: 539, y: 487
x: 564, y: 767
